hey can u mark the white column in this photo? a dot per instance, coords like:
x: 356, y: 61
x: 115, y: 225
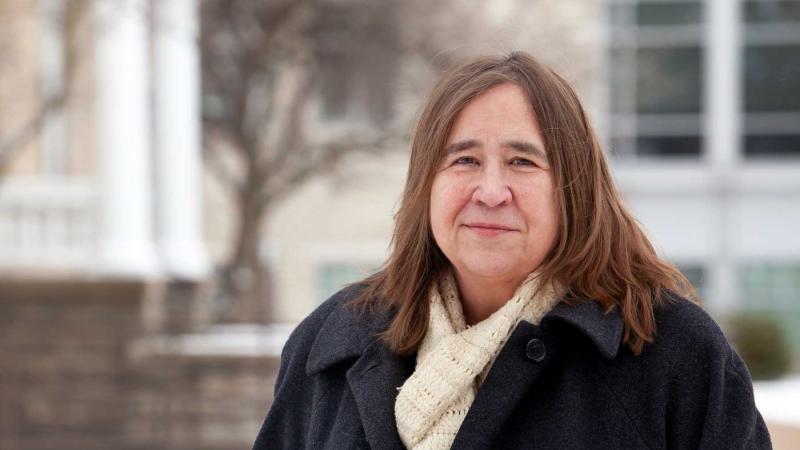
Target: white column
x: 123, y: 139
x: 723, y: 141
x: 723, y: 96
x: 177, y: 139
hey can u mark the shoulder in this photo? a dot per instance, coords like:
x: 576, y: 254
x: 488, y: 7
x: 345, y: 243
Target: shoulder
x: 331, y: 333
x: 687, y: 334
x: 306, y: 331
x: 694, y: 381
x: 688, y: 357
x: 327, y: 333
x: 689, y: 348
x: 695, y: 352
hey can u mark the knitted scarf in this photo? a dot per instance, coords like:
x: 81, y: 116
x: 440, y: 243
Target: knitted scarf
x: 454, y: 359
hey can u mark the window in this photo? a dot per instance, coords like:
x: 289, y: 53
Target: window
x: 774, y: 289
x: 696, y: 275
x: 771, y: 78
x: 357, y: 62
x: 330, y: 277
x: 656, y: 78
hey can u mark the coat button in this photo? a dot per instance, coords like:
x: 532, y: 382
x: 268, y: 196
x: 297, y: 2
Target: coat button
x: 535, y: 350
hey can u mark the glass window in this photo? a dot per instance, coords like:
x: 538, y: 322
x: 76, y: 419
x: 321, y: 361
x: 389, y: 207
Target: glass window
x: 657, y: 78
x: 669, y: 13
x: 668, y: 145
x: 696, y: 275
x: 656, y: 73
x: 357, y: 65
x: 669, y: 80
x: 771, y: 11
x: 652, y: 13
x: 771, y: 79
x: 330, y: 277
x: 772, y: 145
x: 774, y: 289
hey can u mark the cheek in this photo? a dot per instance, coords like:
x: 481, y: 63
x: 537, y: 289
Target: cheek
x: 447, y: 199
x: 542, y: 209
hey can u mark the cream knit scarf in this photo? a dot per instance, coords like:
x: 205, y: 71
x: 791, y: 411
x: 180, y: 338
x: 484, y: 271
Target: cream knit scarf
x: 454, y: 359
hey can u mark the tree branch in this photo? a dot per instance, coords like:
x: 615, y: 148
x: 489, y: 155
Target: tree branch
x: 221, y: 170
x: 327, y: 157
x: 72, y: 19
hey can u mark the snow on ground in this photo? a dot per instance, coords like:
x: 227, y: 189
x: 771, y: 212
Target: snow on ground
x: 220, y: 340
x: 779, y: 400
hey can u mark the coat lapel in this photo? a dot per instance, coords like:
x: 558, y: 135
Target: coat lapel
x: 513, y: 373
x: 507, y: 382
x: 374, y: 379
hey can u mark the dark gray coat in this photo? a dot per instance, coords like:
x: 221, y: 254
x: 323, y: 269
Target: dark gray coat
x: 565, y: 384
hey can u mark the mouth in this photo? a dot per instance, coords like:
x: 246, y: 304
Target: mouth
x: 488, y: 229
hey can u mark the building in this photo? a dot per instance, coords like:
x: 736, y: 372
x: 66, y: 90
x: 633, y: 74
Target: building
x: 111, y: 187
x: 696, y: 102
x: 108, y: 208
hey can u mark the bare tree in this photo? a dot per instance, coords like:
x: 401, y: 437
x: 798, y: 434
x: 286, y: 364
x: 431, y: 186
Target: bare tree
x: 267, y: 63
x: 264, y: 63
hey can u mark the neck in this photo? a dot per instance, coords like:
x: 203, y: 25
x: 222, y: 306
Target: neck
x: 480, y: 297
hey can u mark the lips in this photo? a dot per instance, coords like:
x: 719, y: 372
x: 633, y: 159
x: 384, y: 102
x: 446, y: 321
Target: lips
x: 488, y: 229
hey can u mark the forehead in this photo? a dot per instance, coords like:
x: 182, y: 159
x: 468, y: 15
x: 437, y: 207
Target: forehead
x: 502, y: 108
x: 501, y: 113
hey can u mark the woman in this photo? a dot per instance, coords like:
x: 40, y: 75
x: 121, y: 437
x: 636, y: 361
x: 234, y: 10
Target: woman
x: 521, y: 307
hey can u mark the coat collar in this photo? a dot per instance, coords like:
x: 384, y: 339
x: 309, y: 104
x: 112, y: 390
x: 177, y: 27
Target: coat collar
x: 587, y: 316
x: 343, y: 336
x: 376, y: 374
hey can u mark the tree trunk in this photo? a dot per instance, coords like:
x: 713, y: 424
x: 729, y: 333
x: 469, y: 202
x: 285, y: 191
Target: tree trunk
x: 245, y: 280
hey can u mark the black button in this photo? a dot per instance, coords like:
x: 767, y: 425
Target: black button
x: 535, y: 350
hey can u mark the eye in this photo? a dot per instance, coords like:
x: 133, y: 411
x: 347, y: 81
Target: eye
x: 466, y: 160
x: 522, y: 162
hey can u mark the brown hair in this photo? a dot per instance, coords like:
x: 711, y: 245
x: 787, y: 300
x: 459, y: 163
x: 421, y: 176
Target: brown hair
x: 600, y: 253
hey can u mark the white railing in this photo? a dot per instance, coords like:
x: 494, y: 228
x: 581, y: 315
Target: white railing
x: 47, y: 223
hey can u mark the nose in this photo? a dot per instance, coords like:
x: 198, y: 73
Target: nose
x: 492, y: 190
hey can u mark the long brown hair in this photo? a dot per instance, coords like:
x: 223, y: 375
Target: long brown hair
x: 601, y: 253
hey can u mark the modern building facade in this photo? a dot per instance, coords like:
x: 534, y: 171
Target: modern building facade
x: 704, y: 129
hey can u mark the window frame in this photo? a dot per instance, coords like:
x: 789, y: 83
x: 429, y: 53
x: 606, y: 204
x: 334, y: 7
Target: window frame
x: 725, y: 124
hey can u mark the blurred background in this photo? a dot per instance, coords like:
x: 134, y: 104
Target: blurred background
x: 182, y: 181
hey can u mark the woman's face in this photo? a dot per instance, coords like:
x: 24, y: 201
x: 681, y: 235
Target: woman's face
x: 493, y: 204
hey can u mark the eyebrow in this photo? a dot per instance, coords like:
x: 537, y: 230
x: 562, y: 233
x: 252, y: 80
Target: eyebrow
x: 520, y: 146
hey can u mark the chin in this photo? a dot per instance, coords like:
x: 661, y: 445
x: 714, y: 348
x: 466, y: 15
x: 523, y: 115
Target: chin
x: 486, y: 267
